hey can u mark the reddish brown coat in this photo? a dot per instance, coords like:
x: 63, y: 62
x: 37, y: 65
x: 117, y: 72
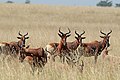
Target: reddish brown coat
x: 95, y: 48
x: 38, y: 54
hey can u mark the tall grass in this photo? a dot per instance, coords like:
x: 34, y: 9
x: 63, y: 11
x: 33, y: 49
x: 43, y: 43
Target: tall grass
x: 42, y: 23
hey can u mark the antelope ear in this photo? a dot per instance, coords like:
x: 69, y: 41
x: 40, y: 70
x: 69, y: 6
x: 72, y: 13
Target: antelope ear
x: 68, y: 35
x: 102, y: 36
x: 26, y: 37
x: 83, y: 37
x: 109, y: 36
x: 27, y: 46
x: 59, y: 35
x: 76, y: 37
x: 18, y: 37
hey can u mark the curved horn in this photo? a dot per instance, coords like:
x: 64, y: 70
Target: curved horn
x: 26, y: 34
x: 109, y: 32
x: 82, y: 33
x: 20, y: 33
x: 60, y: 31
x: 69, y: 31
x: 76, y: 33
x: 102, y: 32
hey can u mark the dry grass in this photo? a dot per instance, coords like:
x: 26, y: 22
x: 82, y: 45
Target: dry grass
x: 42, y: 23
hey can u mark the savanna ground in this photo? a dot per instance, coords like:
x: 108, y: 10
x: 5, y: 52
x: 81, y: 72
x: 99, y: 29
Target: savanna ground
x: 42, y: 22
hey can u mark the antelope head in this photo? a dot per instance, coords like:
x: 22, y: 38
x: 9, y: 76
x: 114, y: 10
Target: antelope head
x: 22, y: 39
x: 79, y: 37
x: 106, y: 37
x: 64, y: 36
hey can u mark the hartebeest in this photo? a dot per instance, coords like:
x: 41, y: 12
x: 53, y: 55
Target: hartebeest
x: 21, y: 42
x: 70, y: 45
x: 37, y: 54
x: 62, y: 46
x: 13, y: 46
x: 73, y: 45
x: 94, y: 48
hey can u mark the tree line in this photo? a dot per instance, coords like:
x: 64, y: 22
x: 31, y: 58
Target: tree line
x: 107, y: 3
x: 26, y: 2
x: 102, y: 3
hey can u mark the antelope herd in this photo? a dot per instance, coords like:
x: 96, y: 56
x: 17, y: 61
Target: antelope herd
x: 67, y: 51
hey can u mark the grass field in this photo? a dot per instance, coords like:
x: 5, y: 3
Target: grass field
x: 42, y: 23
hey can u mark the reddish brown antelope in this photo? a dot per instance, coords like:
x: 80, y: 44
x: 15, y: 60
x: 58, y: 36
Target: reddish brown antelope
x: 95, y: 48
x: 70, y: 45
x: 62, y: 46
x: 73, y: 45
x: 21, y: 42
x: 38, y: 55
x: 13, y: 46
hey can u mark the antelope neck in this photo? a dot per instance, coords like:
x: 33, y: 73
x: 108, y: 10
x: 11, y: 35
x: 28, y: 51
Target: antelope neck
x: 77, y: 43
x: 103, y: 43
x: 20, y: 42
